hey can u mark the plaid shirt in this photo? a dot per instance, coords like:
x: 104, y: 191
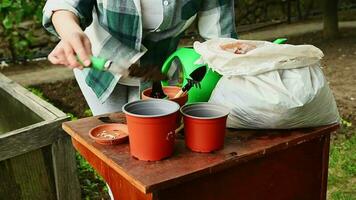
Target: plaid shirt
x: 114, y: 28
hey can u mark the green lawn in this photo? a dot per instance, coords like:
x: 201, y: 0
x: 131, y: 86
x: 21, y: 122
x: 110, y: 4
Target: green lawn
x: 342, y: 166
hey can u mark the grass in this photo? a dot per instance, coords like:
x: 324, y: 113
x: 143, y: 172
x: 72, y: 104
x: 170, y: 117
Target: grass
x: 38, y: 93
x: 91, y: 183
x: 342, y: 166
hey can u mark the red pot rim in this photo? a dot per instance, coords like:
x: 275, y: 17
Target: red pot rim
x: 164, y: 87
x: 204, y: 105
x: 174, y: 107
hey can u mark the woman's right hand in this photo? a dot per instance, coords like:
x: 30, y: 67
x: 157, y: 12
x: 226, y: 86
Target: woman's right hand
x: 67, y: 50
x: 74, y: 43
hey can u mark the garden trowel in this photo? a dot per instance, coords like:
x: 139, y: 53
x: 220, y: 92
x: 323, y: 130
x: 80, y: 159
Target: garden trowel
x: 196, y: 76
x: 146, y: 73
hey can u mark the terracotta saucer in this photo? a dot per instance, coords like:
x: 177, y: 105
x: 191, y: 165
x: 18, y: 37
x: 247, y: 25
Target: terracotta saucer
x: 109, y: 134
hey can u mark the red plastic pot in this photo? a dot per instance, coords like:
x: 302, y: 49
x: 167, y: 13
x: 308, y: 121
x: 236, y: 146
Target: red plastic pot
x: 170, y: 91
x: 204, y: 126
x: 151, y: 125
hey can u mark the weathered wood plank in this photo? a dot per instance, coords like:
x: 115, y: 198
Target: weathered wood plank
x: 9, y: 189
x: 39, y: 106
x: 30, y: 138
x: 27, y: 176
x: 49, y: 107
x: 15, y: 115
x: 67, y: 182
x: 30, y: 172
x: 18, y: 93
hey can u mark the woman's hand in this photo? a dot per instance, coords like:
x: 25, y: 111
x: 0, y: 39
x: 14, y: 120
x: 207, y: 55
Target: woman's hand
x: 73, y: 42
x: 66, y: 50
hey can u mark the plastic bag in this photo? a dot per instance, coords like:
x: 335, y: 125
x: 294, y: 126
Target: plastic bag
x: 278, y: 91
x: 265, y: 57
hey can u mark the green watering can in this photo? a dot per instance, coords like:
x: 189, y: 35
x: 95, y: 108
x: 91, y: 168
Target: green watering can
x: 187, y: 58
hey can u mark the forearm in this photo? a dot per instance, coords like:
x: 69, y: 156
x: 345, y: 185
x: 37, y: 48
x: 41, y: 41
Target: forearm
x: 71, y: 25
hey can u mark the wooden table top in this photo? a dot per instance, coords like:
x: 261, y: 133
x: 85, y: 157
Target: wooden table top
x: 184, y: 165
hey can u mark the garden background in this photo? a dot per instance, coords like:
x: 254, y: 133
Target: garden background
x: 24, y: 45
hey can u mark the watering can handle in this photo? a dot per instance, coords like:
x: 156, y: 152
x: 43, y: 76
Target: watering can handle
x: 166, y: 66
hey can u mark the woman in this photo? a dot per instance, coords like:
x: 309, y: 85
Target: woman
x: 126, y: 32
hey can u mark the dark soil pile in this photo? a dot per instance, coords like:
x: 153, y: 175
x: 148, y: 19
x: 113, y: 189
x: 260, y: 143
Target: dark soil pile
x: 67, y: 96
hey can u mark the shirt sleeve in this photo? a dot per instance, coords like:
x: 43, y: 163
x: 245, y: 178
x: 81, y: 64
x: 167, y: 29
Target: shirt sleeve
x: 81, y: 8
x: 106, y: 46
x: 217, y: 19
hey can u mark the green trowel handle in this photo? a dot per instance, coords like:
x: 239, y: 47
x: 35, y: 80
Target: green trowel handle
x: 96, y: 62
x: 280, y: 41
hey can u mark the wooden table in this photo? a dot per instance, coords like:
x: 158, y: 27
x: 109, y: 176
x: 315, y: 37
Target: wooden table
x: 269, y: 164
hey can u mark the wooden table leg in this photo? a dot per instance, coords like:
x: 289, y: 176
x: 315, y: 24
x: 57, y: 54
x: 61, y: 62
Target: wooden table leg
x: 325, y: 167
x: 121, y: 188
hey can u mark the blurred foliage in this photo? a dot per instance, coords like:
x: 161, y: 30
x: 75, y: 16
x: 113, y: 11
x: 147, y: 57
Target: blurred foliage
x: 19, y: 19
x: 277, y: 9
x: 346, y: 123
x: 88, y: 113
x: 38, y: 93
x: 91, y: 183
x: 72, y: 117
x: 21, y: 35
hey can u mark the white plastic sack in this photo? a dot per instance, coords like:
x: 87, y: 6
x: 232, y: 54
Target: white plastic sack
x: 266, y: 57
x: 281, y: 90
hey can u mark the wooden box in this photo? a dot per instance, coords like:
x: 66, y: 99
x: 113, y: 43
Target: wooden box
x: 37, y: 160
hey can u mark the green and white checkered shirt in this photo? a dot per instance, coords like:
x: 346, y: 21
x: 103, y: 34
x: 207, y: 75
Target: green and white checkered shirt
x: 115, y: 30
